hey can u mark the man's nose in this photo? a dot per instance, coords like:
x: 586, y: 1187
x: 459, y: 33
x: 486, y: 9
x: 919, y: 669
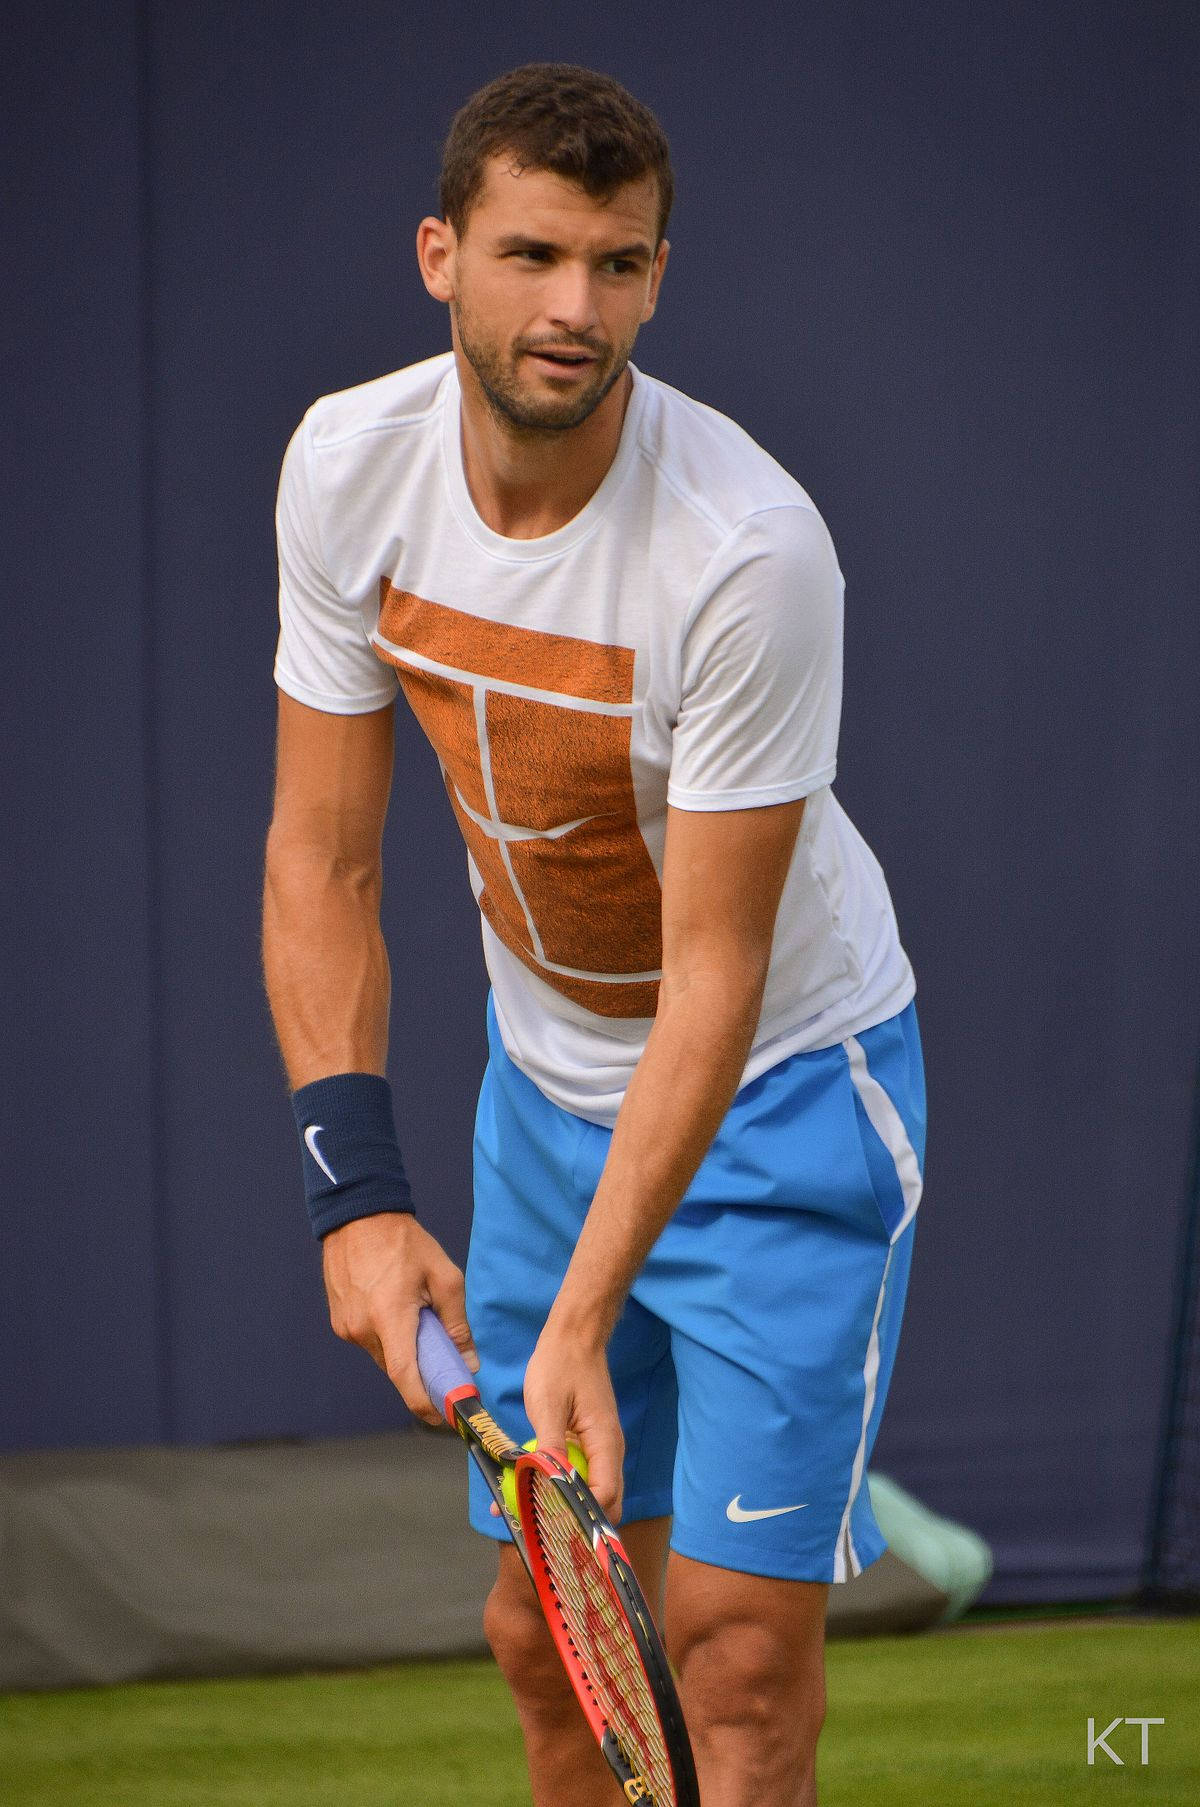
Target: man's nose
x: 570, y: 298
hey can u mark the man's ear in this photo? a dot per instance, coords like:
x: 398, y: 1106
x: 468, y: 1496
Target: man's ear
x: 437, y: 243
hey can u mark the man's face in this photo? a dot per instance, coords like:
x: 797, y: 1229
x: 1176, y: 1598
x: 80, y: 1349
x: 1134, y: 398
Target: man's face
x: 548, y: 290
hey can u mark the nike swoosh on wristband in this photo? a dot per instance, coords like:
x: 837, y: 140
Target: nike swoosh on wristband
x: 740, y: 1515
x: 310, y: 1138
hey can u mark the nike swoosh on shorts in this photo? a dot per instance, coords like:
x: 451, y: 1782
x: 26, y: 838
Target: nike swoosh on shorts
x: 741, y: 1515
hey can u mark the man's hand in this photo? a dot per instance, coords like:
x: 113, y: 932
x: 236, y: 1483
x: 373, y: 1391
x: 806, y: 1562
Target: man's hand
x: 568, y: 1390
x: 379, y: 1271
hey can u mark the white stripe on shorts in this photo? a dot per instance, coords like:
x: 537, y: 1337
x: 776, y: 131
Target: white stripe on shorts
x: 888, y: 1125
x: 845, y: 1560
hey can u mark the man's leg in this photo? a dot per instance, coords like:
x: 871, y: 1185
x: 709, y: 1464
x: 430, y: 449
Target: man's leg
x: 750, y: 1655
x: 564, y: 1760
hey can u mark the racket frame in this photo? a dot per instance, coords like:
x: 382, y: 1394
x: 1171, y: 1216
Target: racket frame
x: 493, y: 1451
x: 617, y: 1572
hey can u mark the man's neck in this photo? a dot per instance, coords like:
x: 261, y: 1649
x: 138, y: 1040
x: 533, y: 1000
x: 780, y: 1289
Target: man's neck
x: 525, y: 484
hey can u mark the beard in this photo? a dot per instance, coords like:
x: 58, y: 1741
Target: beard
x: 498, y: 372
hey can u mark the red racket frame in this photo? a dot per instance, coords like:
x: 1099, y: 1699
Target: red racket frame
x: 614, y: 1565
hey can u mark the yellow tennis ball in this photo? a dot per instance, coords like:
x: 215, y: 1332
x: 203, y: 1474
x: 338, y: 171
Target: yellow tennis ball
x: 508, y: 1483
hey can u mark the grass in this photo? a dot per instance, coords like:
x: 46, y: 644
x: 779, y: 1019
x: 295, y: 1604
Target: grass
x: 999, y: 1715
x: 994, y: 1714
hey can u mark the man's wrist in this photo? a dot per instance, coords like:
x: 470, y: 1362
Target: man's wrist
x: 584, y: 1316
x: 352, y: 1162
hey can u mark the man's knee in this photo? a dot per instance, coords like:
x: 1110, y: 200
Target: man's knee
x: 746, y: 1675
x: 751, y: 1658
x: 516, y: 1632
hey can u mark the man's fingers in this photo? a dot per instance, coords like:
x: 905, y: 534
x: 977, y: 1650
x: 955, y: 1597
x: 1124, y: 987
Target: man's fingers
x: 386, y: 1345
x: 447, y: 1296
x: 568, y: 1394
x: 379, y: 1271
x: 550, y: 1429
x: 605, y: 1473
x: 402, y: 1370
x: 602, y: 1443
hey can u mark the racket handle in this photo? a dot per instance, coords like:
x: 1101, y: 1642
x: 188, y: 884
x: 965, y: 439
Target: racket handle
x: 443, y: 1370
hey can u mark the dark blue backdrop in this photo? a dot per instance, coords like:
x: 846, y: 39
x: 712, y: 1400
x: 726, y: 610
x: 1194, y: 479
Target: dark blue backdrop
x: 941, y: 261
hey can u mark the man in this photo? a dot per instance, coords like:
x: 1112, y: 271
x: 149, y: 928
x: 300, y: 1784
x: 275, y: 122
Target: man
x: 699, y: 1136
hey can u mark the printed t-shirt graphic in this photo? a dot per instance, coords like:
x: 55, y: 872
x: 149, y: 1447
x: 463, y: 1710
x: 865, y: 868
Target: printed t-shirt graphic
x: 675, y: 646
x: 532, y: 731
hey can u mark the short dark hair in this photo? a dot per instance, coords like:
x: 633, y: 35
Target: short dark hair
x: 575, y: 122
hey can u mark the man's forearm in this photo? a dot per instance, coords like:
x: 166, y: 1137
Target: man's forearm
x: 680, y: 1091
x: 325, y: 962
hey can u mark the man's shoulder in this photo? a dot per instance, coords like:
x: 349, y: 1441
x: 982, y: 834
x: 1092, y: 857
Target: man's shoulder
x: 711, y: 463
x: 400, y: 399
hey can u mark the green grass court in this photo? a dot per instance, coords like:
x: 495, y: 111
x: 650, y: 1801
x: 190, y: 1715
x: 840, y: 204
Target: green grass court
x: 988, y: 1713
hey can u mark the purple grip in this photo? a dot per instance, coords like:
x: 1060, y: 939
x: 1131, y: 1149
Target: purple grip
x: 442, y: 1367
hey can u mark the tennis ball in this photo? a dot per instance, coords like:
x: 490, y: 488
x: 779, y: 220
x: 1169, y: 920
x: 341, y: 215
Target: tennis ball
x: 508, y: 1484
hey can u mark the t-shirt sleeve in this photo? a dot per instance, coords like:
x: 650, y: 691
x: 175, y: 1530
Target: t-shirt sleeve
x: 323, y: 657
x: 762, y: 668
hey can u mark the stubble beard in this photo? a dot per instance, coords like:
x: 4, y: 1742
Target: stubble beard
x: 496, y: 373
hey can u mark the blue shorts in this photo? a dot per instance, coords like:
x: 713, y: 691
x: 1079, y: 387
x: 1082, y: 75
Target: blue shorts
x: 752, y: 1359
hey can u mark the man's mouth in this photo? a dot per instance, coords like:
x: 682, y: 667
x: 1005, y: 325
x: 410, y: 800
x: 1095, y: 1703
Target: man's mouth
x: 562, y: 359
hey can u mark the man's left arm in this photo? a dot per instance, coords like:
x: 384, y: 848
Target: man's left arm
x: 723, y: 875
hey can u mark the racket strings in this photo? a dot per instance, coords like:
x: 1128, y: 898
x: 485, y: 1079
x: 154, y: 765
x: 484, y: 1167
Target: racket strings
x: 606, y: 1649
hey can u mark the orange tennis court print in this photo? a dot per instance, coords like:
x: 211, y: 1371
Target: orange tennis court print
x: 533, y: 734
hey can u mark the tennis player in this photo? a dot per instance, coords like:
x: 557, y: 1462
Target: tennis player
x: 700, y: 1133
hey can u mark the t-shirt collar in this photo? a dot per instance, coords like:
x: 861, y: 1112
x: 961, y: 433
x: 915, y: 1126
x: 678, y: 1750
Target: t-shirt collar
x: 547, y: 545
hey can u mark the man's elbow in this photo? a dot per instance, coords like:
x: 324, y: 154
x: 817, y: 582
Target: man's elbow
x: 725, y: 987
x: 300, y: 861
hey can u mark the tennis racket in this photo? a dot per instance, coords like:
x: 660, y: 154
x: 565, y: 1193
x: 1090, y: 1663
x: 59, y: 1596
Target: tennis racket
x: 596, y: 1612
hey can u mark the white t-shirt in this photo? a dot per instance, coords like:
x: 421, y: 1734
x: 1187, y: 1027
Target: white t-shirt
x: 678, y: 642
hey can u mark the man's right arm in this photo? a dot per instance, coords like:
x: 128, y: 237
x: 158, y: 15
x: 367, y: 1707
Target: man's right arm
x: 328, y: 983
x: 323, y: 954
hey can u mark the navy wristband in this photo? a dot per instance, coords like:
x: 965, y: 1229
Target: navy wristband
x: 352, y: 1164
